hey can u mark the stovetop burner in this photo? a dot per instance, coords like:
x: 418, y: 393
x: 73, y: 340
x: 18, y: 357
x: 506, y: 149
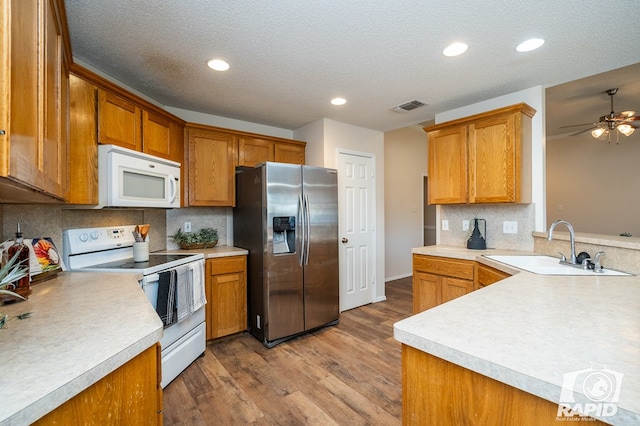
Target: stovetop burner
x: 154, y: 260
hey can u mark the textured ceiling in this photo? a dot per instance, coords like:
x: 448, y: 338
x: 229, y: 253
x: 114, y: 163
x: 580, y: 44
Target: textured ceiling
x: 289, y: 57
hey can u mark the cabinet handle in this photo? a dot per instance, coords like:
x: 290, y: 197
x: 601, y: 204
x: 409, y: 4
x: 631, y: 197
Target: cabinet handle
x: 2, y: 132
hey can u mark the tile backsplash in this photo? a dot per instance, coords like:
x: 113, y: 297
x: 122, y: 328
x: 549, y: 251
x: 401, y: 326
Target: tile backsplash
x: 42, y: 220
x: 495, y: 215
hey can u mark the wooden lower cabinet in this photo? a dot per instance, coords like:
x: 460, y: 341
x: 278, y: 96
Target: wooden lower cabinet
x: 485, y: 275
x: 438, y: 280
x: 437, y: 392
x: 130, y: 395
x: 226, y: 290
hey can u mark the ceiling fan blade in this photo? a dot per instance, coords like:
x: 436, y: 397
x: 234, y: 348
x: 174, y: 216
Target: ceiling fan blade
x: 578, y: 125
x: 583, y: 131
x: 628, y: 114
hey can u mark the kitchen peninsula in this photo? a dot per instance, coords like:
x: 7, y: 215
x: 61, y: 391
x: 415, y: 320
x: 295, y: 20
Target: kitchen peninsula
x: 498, y: 354
x: 87, y: 331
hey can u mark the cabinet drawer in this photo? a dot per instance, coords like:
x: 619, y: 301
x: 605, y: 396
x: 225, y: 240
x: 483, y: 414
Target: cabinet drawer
x: 226, y: 265
x: 443, y: 266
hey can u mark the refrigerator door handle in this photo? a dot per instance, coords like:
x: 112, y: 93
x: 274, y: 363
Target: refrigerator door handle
x: 301, y: 230
x: 307, y: 234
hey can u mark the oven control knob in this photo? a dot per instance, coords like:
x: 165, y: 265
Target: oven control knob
x: 95, y: 235
x: 84, y: 237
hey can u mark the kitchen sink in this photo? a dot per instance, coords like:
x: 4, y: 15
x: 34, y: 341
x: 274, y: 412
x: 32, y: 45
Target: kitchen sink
x: 547, y: 265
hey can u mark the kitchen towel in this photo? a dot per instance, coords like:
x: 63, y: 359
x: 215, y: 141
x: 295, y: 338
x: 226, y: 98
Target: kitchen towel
x: 165, y: 304
x: 199, y: 296
x: 184, y: 293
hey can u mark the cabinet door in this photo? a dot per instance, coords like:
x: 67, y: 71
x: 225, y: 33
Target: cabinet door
x: 227, y: 296
x: 426, y: 291
x: 211, y: 163
x: 118, y: 121
x: 25, y: 161
x: 454, y: 287
x: 253, y: 151
x: 289, y: 153
x: 161, y: 137
x: 55, y: 96
x: 486, y: 275
x: 492, y: 160
x: 447, y: 166
x: 83, y: 142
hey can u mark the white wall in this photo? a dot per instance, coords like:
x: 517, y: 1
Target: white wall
x: 325, y: 138
x: 529, y: 217
x: 594, y: 184
x: 405, y: 160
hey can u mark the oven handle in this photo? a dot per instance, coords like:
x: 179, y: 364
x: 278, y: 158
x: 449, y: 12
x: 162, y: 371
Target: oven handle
x: 152, y: 278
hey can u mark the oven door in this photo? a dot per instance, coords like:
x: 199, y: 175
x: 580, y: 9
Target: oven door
x: 182, y: 342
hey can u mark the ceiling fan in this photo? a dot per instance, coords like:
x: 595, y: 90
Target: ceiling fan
x: 623, y: 122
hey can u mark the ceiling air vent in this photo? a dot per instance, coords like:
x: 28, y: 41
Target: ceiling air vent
x: 408, y: 106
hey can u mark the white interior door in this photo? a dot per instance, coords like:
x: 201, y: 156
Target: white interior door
x: 356, y: 229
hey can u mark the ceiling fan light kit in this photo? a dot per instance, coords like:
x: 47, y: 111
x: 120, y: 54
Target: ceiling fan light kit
x: 622, y: 122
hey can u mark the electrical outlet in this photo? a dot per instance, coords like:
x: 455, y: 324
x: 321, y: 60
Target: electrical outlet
x: 510, y: 227
x: 465, y: 225
x: 187, y: 227
x: 445, y: 225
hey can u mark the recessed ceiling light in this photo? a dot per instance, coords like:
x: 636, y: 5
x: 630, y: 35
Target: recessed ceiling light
x: 218, y: 65
x: 455, y: 49
x: 529, y: 45
x: 338, y: 101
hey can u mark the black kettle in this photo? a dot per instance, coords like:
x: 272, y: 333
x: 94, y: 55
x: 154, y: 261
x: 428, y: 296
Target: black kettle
x: 477, y: 241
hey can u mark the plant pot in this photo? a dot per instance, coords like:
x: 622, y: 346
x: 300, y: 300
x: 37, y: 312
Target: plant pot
x: 194, y: 246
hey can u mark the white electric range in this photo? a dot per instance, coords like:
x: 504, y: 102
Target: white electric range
x: 110, y: 249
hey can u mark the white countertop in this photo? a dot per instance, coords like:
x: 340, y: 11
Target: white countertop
x: 217, y: 251
x: 83, y: 326
x: 528, y: 330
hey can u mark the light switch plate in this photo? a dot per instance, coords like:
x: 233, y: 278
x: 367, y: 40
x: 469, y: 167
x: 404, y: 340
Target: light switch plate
x: 445, y: 225
x: 465, y: 225
x: 510, y: 227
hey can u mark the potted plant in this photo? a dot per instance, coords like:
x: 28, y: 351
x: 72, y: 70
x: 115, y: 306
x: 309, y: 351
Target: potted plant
x: 10, y: 272
x: 205, y: 238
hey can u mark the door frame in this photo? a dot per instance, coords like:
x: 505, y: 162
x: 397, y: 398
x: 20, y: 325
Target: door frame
x: 372, y: 157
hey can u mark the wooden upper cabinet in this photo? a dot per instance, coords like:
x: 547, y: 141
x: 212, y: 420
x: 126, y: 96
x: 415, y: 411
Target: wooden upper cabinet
x: 494, y: 160
x: 253, y: 151
x: 447, y: 165
x: 162, y: 137
x: 485, y: 158
x: 211, y: 161
x: 118, y: 121
x: 293, y: 153
x: 33, y: 101
x: 83, y: 142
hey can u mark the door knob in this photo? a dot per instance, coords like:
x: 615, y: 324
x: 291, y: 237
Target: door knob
x: 345, y: 240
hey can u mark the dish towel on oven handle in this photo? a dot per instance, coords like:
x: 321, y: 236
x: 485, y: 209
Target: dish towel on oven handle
x: 165, y: 305
x: 184, y: 293
x: 199, y: 295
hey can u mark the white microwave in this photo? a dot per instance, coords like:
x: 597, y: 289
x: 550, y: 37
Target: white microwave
x: 128, y: 178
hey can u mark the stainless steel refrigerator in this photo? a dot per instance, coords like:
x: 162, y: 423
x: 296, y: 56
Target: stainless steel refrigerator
x: 286, y: 215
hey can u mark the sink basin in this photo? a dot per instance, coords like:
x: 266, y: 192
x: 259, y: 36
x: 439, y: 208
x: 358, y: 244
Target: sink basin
x: 547, y: 265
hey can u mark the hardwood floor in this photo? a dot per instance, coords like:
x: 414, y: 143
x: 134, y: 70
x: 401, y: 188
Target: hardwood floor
x: 348, y: 374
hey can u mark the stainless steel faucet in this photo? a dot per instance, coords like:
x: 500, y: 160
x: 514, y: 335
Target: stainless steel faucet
x: 572, y: 237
